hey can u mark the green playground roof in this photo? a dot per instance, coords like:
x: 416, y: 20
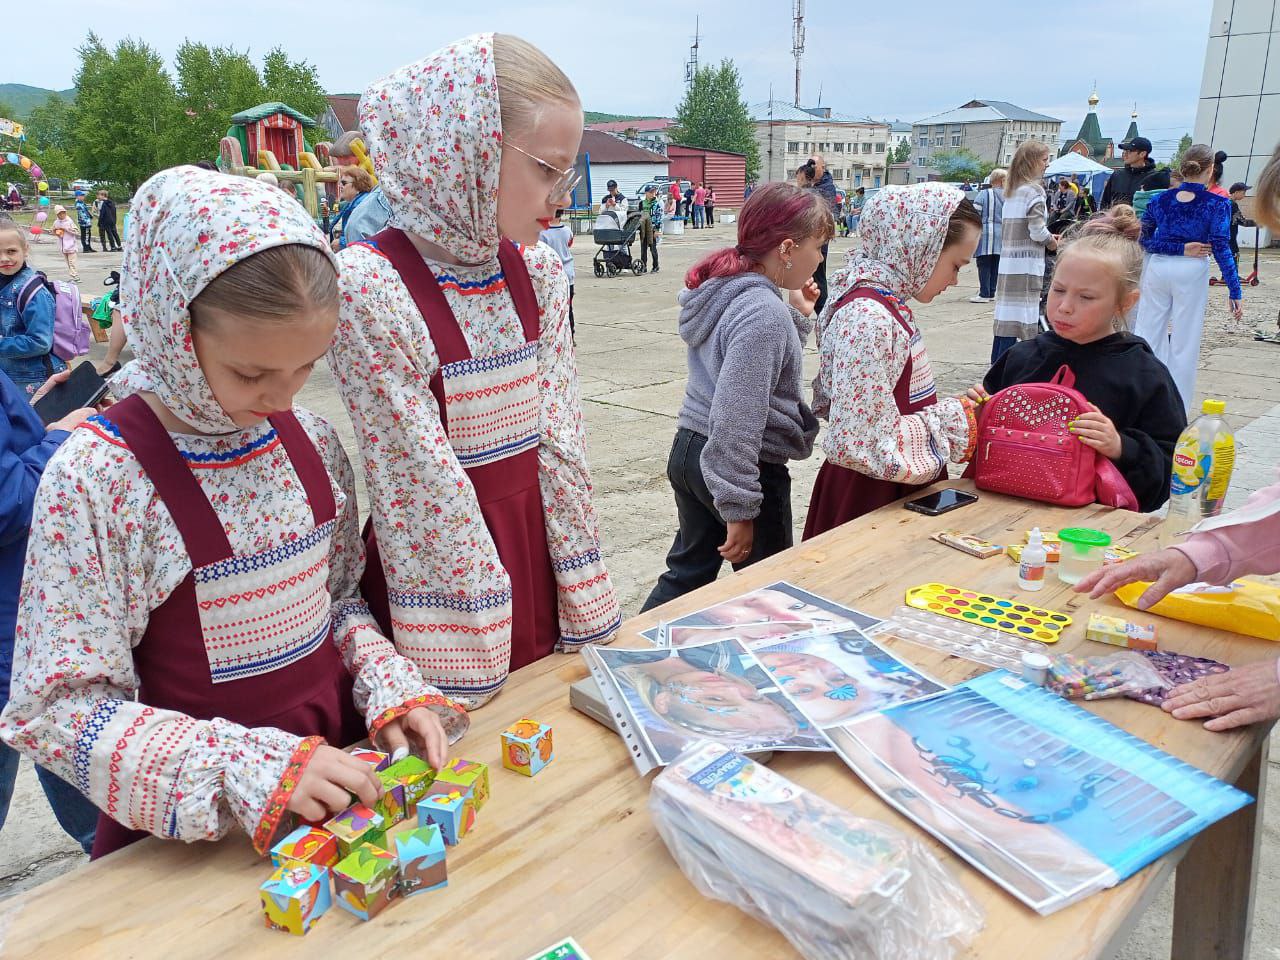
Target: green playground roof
x: 264, y: 110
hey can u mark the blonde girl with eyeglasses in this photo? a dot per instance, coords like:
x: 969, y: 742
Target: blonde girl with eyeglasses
x: 455, y: 359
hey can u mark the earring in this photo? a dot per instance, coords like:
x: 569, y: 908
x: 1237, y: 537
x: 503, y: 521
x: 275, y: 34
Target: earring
x: 788, y: 264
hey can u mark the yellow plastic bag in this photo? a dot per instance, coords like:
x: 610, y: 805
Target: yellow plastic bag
x: 1249, y: 607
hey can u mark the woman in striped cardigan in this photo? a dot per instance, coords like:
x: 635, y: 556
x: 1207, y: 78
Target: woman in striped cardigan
x: 1024, y: 239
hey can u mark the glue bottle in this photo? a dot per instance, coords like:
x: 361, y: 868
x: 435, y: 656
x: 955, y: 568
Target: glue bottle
x: 1032, y: 565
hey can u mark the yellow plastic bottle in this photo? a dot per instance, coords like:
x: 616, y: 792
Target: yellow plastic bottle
x: 1203, y: 460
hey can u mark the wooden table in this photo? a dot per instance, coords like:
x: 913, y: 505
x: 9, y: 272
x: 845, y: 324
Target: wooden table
x: 574, y: 852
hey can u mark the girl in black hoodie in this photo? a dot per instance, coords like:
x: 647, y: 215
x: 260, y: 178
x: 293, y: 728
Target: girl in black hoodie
x: 1137, y: 413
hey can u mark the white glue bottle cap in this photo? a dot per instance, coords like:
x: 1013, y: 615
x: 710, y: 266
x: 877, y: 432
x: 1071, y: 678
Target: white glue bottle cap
x: 1036, y: 539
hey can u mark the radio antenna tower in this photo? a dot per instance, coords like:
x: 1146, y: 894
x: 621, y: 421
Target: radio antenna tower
x: 691, y: 68
x: 797, y: 42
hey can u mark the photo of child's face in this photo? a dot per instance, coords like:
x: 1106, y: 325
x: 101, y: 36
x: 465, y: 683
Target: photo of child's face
x: 770, y: 606
x: 705, y: 701
x: 824, y: 692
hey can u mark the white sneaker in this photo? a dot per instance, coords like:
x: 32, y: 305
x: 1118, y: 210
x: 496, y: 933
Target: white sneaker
x: 977, y: 299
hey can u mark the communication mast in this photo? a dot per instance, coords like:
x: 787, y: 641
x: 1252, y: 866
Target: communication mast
x: 797, y: 42
x: 691, y: 68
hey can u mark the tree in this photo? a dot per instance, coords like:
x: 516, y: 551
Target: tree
x: 124, y: 113
x: 1183, y: 146
x: 960, y: 164
x: 293, y: 83
x: 713, y: 115
x: 49, y: 138
x: 901, y: 153
x: 213, y: 83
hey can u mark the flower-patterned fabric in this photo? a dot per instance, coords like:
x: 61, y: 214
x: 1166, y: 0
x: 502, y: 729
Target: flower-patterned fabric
x: 187, y: 226
x: 434, y: 127
x: 863, y: 349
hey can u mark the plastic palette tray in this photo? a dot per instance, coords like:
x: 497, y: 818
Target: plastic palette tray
x: 969, y: 606
x: 965, y: 640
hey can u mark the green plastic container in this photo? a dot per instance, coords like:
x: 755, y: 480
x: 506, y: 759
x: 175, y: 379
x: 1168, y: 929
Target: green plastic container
x: 1083, y: 551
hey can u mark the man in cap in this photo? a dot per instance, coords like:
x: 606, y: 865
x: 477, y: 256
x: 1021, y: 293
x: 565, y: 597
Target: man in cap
x: 1139, y: 173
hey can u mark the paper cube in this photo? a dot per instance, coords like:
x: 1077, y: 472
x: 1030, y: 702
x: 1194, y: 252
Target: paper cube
x: 355, y: 826
x: 415, y: 776
x: 375, y: 758
x: 468, y: 773
x: 450, y: 807
x: 391, y: 804
x: 365, y: 882
x: 526, y: 746
x: 1120, y: 632
x: 422, y: 862
x: 295, y: 897
x: 306, y: 845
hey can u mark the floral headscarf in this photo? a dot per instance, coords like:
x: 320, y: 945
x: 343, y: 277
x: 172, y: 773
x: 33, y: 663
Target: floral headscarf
x: 186, y: 227
x: 902, y: 230
x: 434, y: 130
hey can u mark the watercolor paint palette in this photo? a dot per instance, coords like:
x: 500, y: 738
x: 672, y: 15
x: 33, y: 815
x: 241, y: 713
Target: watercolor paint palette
x: 987, y: 610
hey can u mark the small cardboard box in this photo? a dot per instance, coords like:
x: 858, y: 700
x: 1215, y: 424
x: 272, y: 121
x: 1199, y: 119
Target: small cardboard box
x: 305, y: 845
x: 355, y: 826
x: 468, y: 773
x: 450, y: 807
x: 365, y: 882
x: 422, y: 860
x: 375, y: 758
x: 526, y: 746
x: 415, y: 776
x: 295, y: 897
x: 1120, y: 632
x: 390, y: 805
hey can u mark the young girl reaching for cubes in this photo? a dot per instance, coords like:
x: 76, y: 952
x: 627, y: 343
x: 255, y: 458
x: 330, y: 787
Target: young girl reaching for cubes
x: 1137, y: 413
x: 191, y: 647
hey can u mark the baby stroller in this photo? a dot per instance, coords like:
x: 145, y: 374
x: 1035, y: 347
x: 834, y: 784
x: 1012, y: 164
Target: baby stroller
x: 614, y: 255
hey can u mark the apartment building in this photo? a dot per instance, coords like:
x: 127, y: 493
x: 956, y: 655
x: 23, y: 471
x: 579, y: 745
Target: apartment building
x: 856, y: 151
x: 992, y: 129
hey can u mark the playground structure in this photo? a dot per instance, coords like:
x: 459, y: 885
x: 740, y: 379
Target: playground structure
x: 273, y: 136
x: 9, y: 128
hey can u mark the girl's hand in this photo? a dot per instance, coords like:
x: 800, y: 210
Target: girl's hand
x: 1241, y: 696
x: 737, y: 546
x: 1167, y: 570
x: 49, y: 384
x: 1237, y: 309
x: 1095, y: 430
x: 1197, y: 250
x: 806, y: 298
x: 329, y: 783
x: 978, y: 394
x: 71, y: 420
x: 418, y: 728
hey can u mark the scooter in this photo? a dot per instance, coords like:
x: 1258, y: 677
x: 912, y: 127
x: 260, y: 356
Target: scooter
x: 1250, y: 281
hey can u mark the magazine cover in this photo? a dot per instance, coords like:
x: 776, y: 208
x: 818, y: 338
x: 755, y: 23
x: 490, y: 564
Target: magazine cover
x: 666, y: 699
x: 777, y: 610
x: 1048, y: 800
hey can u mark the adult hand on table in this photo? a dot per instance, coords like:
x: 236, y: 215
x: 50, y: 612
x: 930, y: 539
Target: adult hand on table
x: 425, y: 730
x: 1169, y: 569
x: 1241, y: 696
x: 329, y: 782
x: 737, y: 545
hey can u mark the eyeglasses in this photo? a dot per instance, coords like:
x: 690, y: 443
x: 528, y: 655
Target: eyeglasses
x: 566, y: 180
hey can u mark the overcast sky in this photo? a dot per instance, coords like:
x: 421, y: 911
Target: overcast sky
x: 904, y: 61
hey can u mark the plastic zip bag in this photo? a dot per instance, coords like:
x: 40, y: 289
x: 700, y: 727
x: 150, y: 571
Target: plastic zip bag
x: 837, y: 886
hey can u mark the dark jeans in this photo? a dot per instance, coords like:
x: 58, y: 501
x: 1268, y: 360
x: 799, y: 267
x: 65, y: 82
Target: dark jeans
x: 76, y: 815
x: 694, y: 559
x: 999, y: 345
x: 108, y: 237
x: 988, y: 274
x: 86, y: 237
x: 820, y: 278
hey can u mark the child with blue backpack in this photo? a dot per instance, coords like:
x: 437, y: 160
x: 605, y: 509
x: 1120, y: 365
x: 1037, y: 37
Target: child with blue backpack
x: 27, y: 309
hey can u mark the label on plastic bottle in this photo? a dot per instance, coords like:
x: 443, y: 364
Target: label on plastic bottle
x: 1188, y: 468
x: 1223, y: 462
x: 1029, y: 573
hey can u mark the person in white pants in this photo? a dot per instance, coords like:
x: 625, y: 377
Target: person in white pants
x: 1180, y: 229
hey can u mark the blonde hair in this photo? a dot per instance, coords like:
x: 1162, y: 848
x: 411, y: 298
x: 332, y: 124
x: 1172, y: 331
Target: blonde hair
x: 1111, y: 238
x: 273, y: 285
x: 1266, y: 203
x: 8, y: 223
x: 1023, y: 169
x: 1197, y: 159
x: 360, y: 178
x: 527, y: 81
x: 998, y: 177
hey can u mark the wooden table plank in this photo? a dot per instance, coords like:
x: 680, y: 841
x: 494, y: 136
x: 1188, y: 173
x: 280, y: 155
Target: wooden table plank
x: 574, y: 852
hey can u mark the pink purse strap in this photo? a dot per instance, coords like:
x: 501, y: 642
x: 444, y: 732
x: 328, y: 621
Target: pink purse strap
x: 1064, y: 377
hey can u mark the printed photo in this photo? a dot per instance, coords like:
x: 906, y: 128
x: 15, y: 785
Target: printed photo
x: 715, y: 691
x: 836, y: 677
x: 778, y: 610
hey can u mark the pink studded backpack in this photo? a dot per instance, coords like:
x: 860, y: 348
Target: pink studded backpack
x: 1025, y: 448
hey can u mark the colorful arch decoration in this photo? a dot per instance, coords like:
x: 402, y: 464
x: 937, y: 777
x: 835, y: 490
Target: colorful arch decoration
x: 26, y: 163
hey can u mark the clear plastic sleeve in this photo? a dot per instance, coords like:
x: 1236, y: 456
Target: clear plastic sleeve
x: 1125, y: 674
x: 838, y: 887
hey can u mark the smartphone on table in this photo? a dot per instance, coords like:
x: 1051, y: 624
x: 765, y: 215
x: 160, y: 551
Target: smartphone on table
x: 84, y: 388
x: 935, y: 504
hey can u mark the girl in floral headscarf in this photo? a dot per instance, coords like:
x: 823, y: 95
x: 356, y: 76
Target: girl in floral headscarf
x: 455, y: 359
x: 190, y: 638
x: 889, y: 433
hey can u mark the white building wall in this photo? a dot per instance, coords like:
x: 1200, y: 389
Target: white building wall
x: 630, y: 176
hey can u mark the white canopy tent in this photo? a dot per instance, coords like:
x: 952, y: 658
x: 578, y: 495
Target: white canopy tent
x: 1072, y: 164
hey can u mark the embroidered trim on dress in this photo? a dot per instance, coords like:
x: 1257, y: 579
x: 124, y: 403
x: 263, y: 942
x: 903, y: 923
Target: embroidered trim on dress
x: 426, y: 700
x: 279, y: 800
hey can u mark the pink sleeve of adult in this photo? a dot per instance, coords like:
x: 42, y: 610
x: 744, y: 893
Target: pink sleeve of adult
x: 1249, y: 548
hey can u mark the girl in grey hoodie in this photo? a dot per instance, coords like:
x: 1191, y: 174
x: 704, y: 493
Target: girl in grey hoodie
x: 744, y: 415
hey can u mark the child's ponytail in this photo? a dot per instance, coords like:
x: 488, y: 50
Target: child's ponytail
x: 773, y: 213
